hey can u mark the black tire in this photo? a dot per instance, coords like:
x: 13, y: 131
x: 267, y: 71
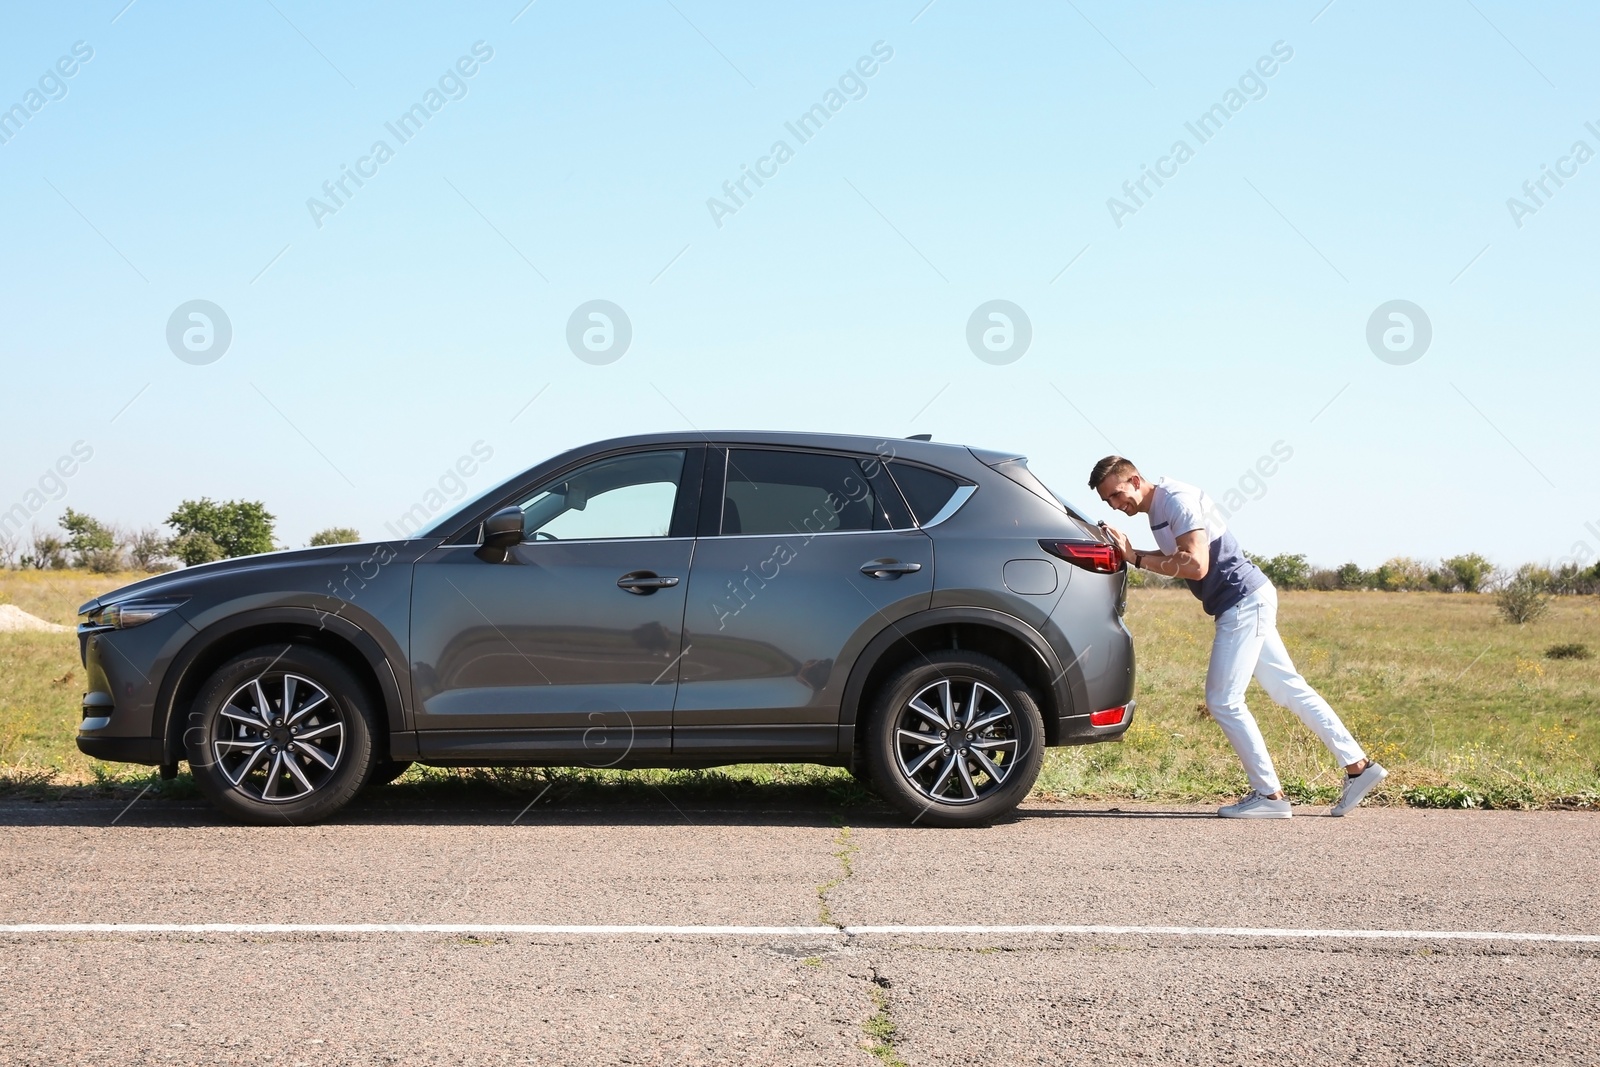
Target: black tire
x: 958, y: 776
x: 296, y: 765
x: 386, y: 771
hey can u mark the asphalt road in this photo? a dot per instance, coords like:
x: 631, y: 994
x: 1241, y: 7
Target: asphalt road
x: 1232, y: 962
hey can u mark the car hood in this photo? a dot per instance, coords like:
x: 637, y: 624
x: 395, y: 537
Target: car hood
x: 186, y: 580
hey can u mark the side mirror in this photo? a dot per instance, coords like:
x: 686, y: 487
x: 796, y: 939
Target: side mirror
x: 501, y: 530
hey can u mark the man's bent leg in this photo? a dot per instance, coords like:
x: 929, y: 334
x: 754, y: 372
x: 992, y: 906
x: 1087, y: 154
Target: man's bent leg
x: 1277, y: 675
x: 1234, y: 652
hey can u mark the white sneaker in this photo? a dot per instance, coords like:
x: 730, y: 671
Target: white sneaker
x: 1255, y: 806
x: 1356, y: 788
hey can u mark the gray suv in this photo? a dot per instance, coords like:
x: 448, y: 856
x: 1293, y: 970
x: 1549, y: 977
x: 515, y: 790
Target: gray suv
x: 928, y: 615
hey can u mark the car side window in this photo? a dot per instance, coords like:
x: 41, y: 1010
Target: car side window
x: 775, y: 491
x: 623, y: 496
x: 927, y: 491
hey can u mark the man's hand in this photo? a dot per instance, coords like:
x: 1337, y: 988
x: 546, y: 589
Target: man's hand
x: 1120, y: 539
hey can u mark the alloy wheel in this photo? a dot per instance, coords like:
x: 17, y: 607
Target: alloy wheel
x: 279, y: 737
x: 956, y: 741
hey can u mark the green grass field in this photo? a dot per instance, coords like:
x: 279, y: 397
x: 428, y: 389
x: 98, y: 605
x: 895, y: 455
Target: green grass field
x: 1464, y: 709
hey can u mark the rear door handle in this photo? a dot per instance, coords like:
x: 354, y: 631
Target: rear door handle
x: 885, y: 568
x: 645, y: 582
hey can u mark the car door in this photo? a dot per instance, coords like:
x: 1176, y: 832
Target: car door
x: 799, y: 564
x: 567, y: 650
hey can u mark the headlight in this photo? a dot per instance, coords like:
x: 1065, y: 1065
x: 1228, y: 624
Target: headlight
x: 130, y: 613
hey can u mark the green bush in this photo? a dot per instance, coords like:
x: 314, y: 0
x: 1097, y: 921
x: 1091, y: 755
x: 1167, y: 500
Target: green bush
x: 1400, y: 574
x: 208, y: 529
x: 195, y: 548
x: 1569, y: 651
x: 1469, y: 573
x: 1324, y: 579
x: 1572, y: 579
x: 46, y: 552
x: 1351, y: 576
x: 1442, y: 796
x: 92, y: 543
x: 1285, y: 571
x: 149, y: 551
x: 334, y: 535
x: 1524, y: 596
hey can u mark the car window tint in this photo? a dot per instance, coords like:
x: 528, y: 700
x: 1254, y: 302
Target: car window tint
x: 925, y: 490
x: 771, y: 491
x: 624, y: 496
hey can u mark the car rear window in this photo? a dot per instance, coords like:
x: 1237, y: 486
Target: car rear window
x: 927, y: 491
x: 774, y: 491
x: 1015, y: 467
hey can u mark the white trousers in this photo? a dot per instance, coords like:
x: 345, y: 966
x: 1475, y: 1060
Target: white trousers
x: 1247, y: 644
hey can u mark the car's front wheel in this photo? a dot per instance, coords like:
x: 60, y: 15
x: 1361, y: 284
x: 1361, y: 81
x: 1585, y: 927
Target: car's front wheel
x: 955, y: 739
x: 280, y: 735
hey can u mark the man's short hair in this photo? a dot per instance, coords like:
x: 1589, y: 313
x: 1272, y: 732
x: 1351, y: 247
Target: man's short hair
x: 1109, y: 466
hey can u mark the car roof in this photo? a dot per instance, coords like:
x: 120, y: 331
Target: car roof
x: 933, y: 452
x: 970, y: 463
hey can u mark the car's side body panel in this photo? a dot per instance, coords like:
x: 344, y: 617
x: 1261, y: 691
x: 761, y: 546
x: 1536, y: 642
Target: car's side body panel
x: 774, y: 625
x: 544, y: 656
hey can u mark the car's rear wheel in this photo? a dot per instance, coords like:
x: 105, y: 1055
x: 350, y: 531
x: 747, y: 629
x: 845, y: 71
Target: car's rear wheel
x: 280, y: 736
x: 955, y: 739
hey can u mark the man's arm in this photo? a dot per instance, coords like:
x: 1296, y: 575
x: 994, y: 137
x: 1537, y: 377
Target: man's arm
x: 1192, y: 559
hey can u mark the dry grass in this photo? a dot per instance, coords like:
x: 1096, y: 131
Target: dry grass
x: 42, y: 681
x: 1463, y: 708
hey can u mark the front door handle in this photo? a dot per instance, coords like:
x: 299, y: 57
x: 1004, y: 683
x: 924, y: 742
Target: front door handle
x: 645, y: 582
x: 885, y: 568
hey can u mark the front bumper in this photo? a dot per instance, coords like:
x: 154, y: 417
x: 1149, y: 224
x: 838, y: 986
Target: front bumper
x: 148, y: 750
x: 125, y: 669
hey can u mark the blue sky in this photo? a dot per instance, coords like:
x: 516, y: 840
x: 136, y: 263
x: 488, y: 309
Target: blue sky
x: 1225, y: 316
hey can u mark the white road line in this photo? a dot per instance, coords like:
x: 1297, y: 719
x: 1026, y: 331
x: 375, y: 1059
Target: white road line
x: 1236, y: 931
x: 648, y: 929
x: 408, y: 928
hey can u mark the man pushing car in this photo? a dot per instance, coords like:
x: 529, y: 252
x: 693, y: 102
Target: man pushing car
x: 1196, y: 545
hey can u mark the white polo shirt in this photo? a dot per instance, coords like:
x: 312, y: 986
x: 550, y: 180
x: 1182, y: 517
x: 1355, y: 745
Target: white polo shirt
x: 1177, y: 508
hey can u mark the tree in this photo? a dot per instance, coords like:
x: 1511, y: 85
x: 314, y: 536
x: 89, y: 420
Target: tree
x: 1471, y: 571
x: 149, y: 551
x: 335, y: 535
x: 208, y: 529
x: 1285, y: 571
x: 1399, y: 574
x: 1523, y: 597
x: 92, y: 543
x: 1351, y: 576
x: 1574, y: 579
x: 1324, y: 579
x: 45, y: 552
x: 195, y: 548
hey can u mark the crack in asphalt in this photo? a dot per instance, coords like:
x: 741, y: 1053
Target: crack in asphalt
x: 847, y: 848
x: 880, y: 1025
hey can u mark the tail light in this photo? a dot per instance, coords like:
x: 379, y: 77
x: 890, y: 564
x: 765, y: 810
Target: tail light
x: 1109, y: 717
x: 1090, y: 555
